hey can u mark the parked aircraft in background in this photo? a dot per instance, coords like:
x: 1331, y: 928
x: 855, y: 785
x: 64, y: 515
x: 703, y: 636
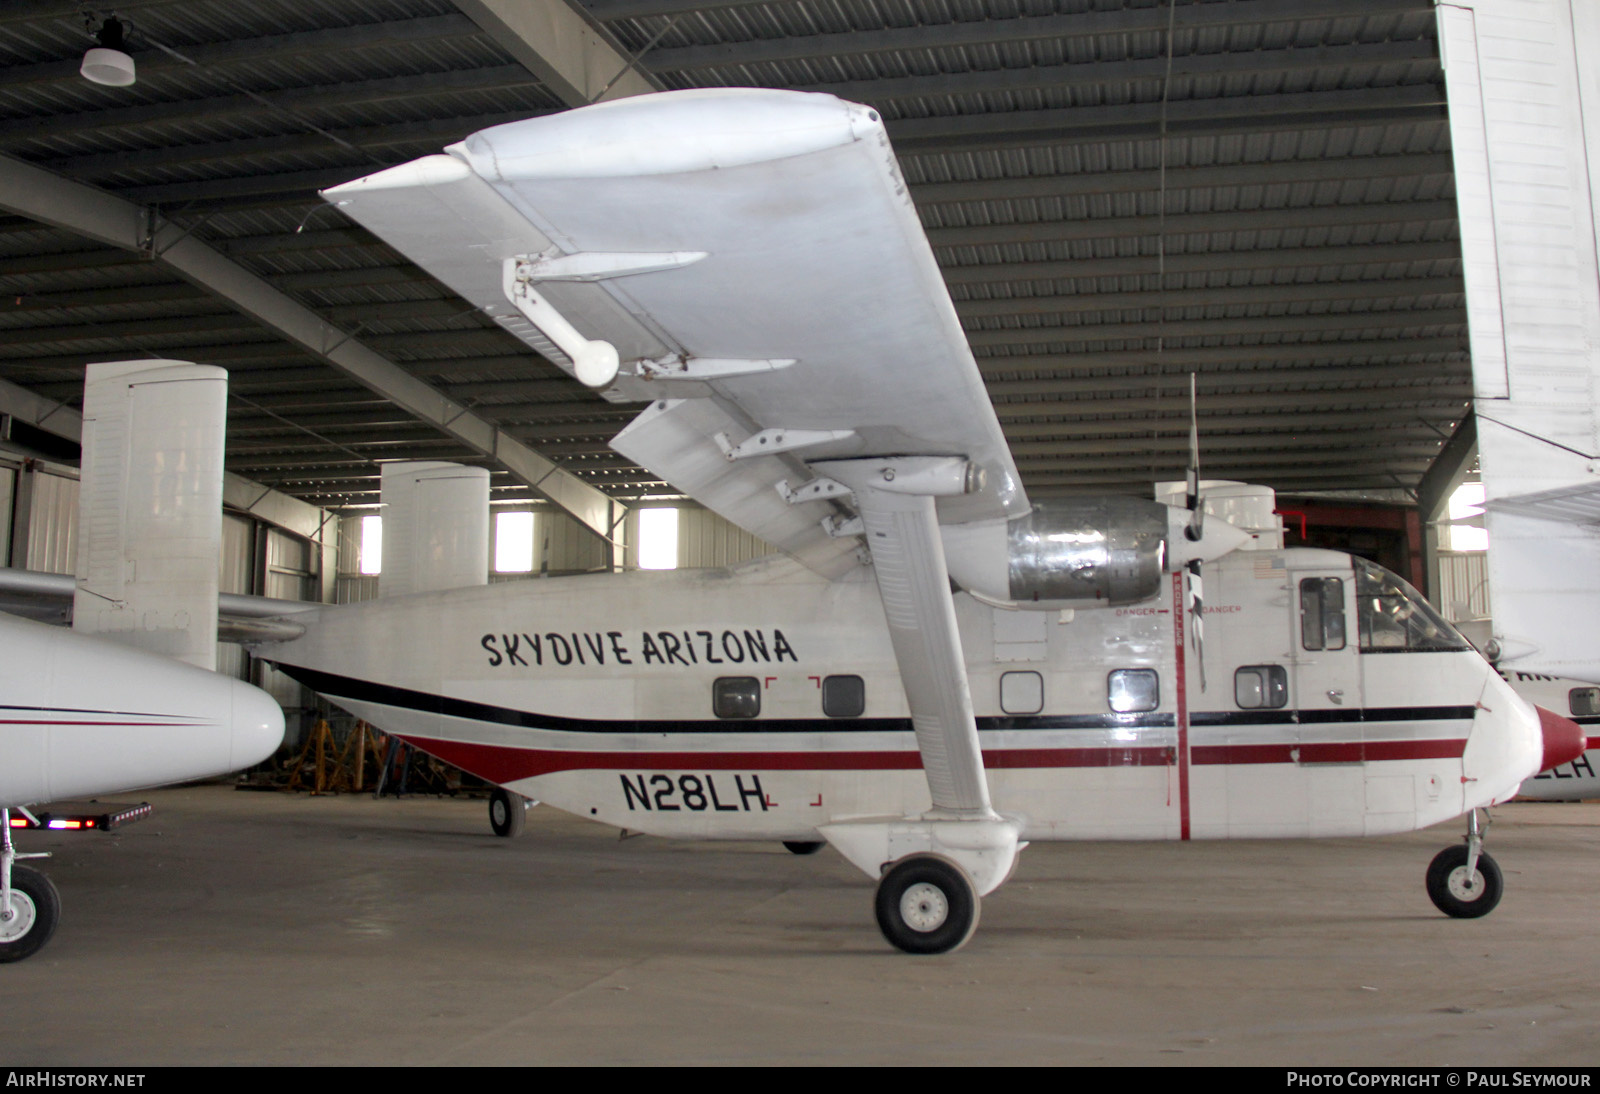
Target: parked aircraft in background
x: 1576, y: 779
x: 751, y: 262
x: 86, y: 715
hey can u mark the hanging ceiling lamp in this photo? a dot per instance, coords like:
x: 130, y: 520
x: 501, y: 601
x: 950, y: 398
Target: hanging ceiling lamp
x: 106, y: 63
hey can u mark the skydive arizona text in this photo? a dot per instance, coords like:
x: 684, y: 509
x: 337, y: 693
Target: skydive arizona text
x: 652, y: 648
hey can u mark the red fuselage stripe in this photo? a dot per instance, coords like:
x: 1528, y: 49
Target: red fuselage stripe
x: 503, y: 764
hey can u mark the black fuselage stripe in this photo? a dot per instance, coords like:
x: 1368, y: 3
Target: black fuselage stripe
x: 365, y: 691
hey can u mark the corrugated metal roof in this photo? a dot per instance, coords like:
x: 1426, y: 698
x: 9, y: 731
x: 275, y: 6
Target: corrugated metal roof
x: 1273, y: 210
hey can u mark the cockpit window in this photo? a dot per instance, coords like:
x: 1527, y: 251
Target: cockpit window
x: 1394, y: 618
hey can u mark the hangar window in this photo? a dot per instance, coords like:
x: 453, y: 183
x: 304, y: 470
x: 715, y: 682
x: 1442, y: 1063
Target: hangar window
x: 1261, y: 687
x: 1021, y: 692
x: 1322, y: 613
x: 371, y: 545
x: 1584, y: 701
x: 843, y: 696
x: 1130, y: 691
x: 736, y: 697
x: 513, y: 543
x: 658, y: 539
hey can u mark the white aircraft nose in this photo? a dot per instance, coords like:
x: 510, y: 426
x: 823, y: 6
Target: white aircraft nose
x: 257, y: 725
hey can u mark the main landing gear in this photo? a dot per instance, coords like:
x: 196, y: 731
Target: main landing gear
x: 927, y: 904
x: 1464, y: 881
x: 508, y: 812
x: 30, y: 907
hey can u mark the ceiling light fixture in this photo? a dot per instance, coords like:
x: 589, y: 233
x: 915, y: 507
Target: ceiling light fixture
x: 107, y: 64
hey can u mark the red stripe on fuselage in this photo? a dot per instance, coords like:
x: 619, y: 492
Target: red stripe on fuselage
x: 504, y: 764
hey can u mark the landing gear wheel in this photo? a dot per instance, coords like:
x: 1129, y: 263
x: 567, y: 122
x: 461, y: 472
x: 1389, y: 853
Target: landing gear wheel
x: 35, y: 910
x: 927, y: 905
x: 1456, y: 894
x: 803, y: 847
x: 508, y: 812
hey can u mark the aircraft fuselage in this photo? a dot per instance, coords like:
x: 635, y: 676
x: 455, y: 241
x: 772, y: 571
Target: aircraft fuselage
x: 762, y: 702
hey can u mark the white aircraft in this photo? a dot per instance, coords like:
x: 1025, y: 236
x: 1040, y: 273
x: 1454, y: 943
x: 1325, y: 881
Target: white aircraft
x: 86, y: 716
x: 1575, y: 779
x: 752, y: 262
x: 83, y: 715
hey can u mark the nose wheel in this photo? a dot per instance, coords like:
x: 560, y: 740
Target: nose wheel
x: 1464, y: 882
x: 30, y: 907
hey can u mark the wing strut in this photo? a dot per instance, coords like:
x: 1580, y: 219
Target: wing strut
x: 895, y: 498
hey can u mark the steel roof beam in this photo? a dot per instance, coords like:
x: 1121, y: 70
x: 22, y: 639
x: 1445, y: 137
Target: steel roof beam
x: 1174, y: 416
x: 1018, y: 131
x: 1354, y: 256
x: 30, y: 191
x: 1305, y: 401
x: 1270, y: 173
x: 1180, y: 359
x: 1213, y: 384
x: 1223, y: 296
x: 571, y: 57
x: 1362, y: 214
x: 1393, y: 319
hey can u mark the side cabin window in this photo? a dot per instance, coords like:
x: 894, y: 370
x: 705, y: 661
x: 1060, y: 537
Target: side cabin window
x: 1394, y: 618
x: 1322, y: 613
x: 1584, y: 701
x: 843, y: 696
x: 1261, y: 687
x: 736, y: 697
x: 1021, y: 692
x: 1131, y: 691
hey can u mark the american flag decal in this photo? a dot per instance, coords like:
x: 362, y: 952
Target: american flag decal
x: 1266, y: 569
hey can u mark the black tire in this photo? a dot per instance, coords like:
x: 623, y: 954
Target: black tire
x: 803, y: 847
x: 1451, y: 891
x: 927, y: 905
x: 508, y: 812
x: 37, y: 907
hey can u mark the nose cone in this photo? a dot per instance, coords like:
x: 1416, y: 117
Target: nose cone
x: 257, y: 726
x: 1563, y: 739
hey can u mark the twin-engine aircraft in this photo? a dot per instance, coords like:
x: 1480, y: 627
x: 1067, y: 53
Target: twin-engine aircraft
x: 751, y: 264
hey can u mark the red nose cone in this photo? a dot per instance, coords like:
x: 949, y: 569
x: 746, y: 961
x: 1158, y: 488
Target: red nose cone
x: 1563, y: 739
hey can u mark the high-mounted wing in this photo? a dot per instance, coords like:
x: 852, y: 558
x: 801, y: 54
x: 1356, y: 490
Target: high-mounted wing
x: 755, y: 261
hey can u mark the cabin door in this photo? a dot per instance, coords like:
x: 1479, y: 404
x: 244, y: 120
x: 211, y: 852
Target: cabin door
x: 1326, y: 696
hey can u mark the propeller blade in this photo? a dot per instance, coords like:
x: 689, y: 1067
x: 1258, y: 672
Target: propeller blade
x: 1196, y: 512
x: 1197, y: 618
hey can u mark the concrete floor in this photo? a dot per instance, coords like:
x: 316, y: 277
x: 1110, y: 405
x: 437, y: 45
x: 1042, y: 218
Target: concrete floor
x: 249, y: 928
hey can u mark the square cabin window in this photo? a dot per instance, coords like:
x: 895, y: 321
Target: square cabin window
x: 1021, y: 692
x: 1584, y: 701
x: 736, y: 697
x: 1132, y: 691
x: 1261, y: 687
x: 843, y: 696
x: 1322, y: 613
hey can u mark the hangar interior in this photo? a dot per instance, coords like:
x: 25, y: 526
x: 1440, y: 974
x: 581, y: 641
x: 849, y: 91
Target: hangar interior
x: 1119, y: 193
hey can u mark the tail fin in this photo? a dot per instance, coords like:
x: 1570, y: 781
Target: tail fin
x: 150, y: 506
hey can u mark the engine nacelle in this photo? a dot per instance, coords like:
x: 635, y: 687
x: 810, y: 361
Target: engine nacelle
x: 1080, y: 552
